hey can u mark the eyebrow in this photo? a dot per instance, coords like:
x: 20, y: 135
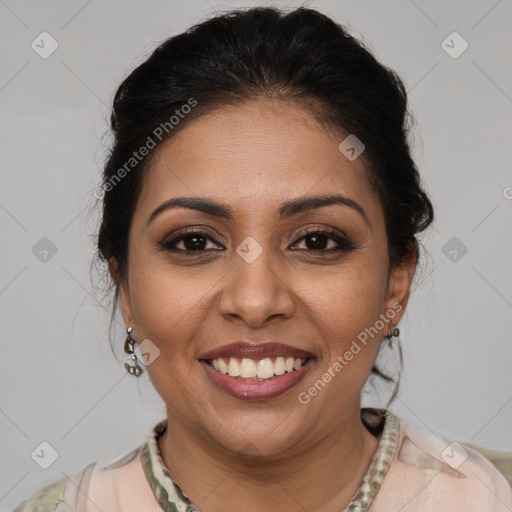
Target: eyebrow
x: 287, y: 209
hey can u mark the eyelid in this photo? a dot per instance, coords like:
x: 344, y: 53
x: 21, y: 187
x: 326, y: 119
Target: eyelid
x: 323, y: 229
x: 175, y: 238
x: 338, y: 236
x: 343, y: 241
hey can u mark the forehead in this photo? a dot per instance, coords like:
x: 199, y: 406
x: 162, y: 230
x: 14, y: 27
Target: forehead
x: 255, y: 155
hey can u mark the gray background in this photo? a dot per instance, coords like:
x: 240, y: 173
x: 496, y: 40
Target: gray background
x: 60, y: 382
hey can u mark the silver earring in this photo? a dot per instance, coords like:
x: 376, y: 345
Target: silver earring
x: 129, y: 349
x: 393, y: 332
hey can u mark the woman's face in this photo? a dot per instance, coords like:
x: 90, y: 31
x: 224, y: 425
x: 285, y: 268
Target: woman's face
x: 241, y: 264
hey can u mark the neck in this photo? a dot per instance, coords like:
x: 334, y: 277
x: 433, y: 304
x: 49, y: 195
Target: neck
x: 216, y: 480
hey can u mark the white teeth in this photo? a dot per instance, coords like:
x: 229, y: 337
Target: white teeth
x: 279, y: 366
x: 247, y: 369
x: 223, y: 367
x: 263, y: 369
x: 233, y: 367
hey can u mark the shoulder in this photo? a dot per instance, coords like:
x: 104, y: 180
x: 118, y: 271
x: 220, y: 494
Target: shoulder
x: 430, y: 473
x: 501, y: 460
x: 78, y: 492
x: 46, y: 499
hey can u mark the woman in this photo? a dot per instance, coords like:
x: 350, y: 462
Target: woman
x: 260, y: 215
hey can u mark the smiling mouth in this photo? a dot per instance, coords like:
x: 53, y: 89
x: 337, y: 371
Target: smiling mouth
x: 257, y: 370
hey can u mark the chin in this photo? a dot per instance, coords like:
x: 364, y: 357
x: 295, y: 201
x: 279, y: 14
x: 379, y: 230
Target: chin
x: 261, y: 434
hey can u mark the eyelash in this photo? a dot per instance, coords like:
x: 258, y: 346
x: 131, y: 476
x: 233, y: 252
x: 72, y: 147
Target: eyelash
x: 344, y: 243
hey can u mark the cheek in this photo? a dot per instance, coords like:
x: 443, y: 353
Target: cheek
x: 168, y: 303
x: 344, y: 309
x: 346, y: 301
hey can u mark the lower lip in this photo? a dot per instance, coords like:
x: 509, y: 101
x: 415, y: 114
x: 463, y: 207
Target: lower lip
x: 256, y: 389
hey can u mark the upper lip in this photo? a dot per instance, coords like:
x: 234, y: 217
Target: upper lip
x: 256, y: 351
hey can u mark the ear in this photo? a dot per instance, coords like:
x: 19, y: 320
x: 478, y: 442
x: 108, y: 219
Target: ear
x: 123, y: 292
x: 400, y: 286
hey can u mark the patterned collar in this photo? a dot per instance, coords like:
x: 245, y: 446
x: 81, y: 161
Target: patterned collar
x: 172, y: 499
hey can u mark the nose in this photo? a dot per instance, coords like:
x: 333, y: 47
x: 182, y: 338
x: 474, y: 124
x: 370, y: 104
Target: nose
x: 256, y: 292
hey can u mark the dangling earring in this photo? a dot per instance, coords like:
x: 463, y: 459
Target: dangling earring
x: 393, y: 332
x: 129, y: 349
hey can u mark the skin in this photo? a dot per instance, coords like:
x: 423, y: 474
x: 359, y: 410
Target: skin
x: 231, y: 454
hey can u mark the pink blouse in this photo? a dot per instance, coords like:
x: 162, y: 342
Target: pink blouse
x: 412, y: 470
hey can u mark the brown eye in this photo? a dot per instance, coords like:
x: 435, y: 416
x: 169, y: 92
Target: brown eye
x: 191, y: 241
x: 325, y: 241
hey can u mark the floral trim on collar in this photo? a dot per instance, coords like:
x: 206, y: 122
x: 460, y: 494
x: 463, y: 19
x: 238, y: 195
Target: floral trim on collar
x: 172, y: 499
x: 167, y: 492
x: 381, y: 459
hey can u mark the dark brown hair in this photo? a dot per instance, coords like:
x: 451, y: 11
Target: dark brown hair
x: 302, y: 56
